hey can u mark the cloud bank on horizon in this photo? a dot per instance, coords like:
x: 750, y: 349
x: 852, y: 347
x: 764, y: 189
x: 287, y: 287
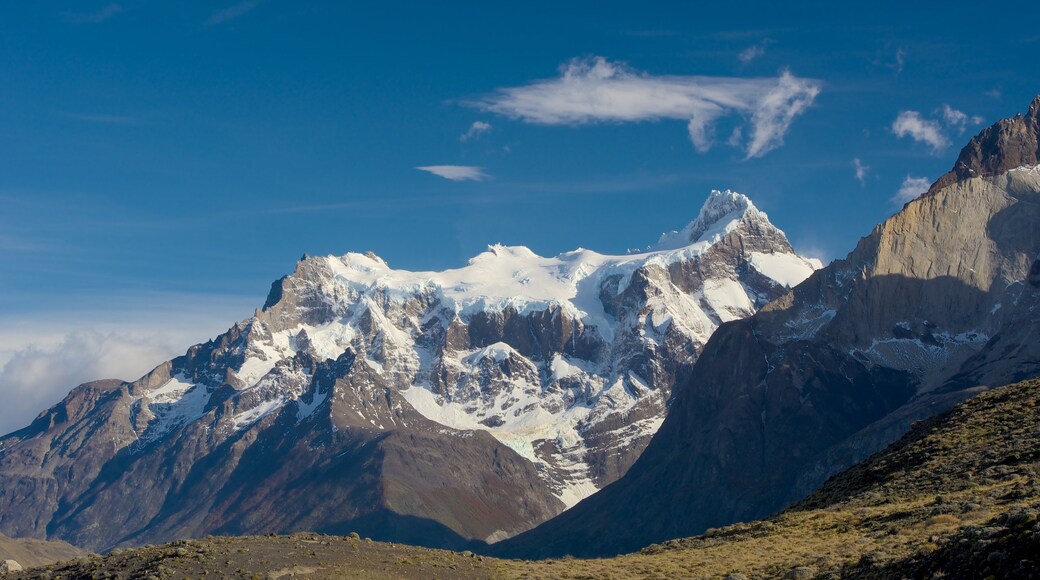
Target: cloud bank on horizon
x: 38, y: 375
x: 596, y: 90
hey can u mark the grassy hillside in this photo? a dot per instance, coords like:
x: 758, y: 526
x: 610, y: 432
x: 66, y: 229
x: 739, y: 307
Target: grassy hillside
x: 29, y: 552
x: 956, y: 497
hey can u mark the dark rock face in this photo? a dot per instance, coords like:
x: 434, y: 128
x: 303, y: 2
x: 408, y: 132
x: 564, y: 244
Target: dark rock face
x: 1008, y: 144
x: 931, y: 305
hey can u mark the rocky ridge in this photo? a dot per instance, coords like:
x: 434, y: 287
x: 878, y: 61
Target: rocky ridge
x: 1008, y: 144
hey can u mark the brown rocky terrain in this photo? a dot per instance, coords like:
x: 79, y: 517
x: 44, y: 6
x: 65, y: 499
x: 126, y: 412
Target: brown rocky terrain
x: 956, y: 497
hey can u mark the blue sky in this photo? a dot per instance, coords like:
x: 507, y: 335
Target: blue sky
x: 162, y: 163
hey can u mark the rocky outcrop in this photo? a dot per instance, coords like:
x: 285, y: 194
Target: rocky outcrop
x: 933, y: 303
x: 436, y: 408
x: 1008, y: 144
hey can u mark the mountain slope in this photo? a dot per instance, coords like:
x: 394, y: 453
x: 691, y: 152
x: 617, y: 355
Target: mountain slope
x: 835, y: 369
x: 956, y: 497
x: 433, y: 407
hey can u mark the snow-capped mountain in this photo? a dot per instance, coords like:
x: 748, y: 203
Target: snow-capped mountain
x: 567, y: 360
x: 356, y: 368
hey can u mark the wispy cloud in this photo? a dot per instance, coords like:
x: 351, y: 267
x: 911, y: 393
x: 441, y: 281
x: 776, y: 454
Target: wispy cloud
x: 911, y: 188
x: 475, y: 130
x: 96, y: 17
x: 754, y: 51
x: 900, y: 61
x: 861, y: 171
x: 958, y: 120
x: 894, y: 61
x: 232, y: 12
x: 456, y: 172
x: 911, y: 124
x: 596, y: 90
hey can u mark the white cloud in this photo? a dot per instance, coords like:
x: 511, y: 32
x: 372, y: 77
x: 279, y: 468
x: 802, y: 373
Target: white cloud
x: 475, y: 130
x: 35, y: 378
x: 958, y: 120
x: 911, y: 188
x: 231, y: 12
x: 599, y: 91
x: 861, y: 171
x: 911, y: 124
x: 456, y: 172
x: 953, y: 117
x: 43, y: 355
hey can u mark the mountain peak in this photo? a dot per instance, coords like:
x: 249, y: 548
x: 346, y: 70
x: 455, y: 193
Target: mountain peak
x: 721, y: 212
x: 1007, y: 144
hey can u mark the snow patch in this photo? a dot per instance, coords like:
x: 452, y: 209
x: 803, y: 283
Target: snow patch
x: 728, y: 298
x: 246, y: 418
x: 174, y: 404
x: 787, y: 269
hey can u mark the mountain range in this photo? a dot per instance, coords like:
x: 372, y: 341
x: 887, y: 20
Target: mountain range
x: 435, y: 408
x: 715, y: 377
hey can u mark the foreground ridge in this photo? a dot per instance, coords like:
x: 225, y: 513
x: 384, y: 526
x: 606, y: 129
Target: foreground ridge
x: 958, y: 496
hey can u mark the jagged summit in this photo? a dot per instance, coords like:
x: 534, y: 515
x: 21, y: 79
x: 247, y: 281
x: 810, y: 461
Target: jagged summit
x: 515, y: 277
x: 722, y: 212
x: 1008, y: 144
